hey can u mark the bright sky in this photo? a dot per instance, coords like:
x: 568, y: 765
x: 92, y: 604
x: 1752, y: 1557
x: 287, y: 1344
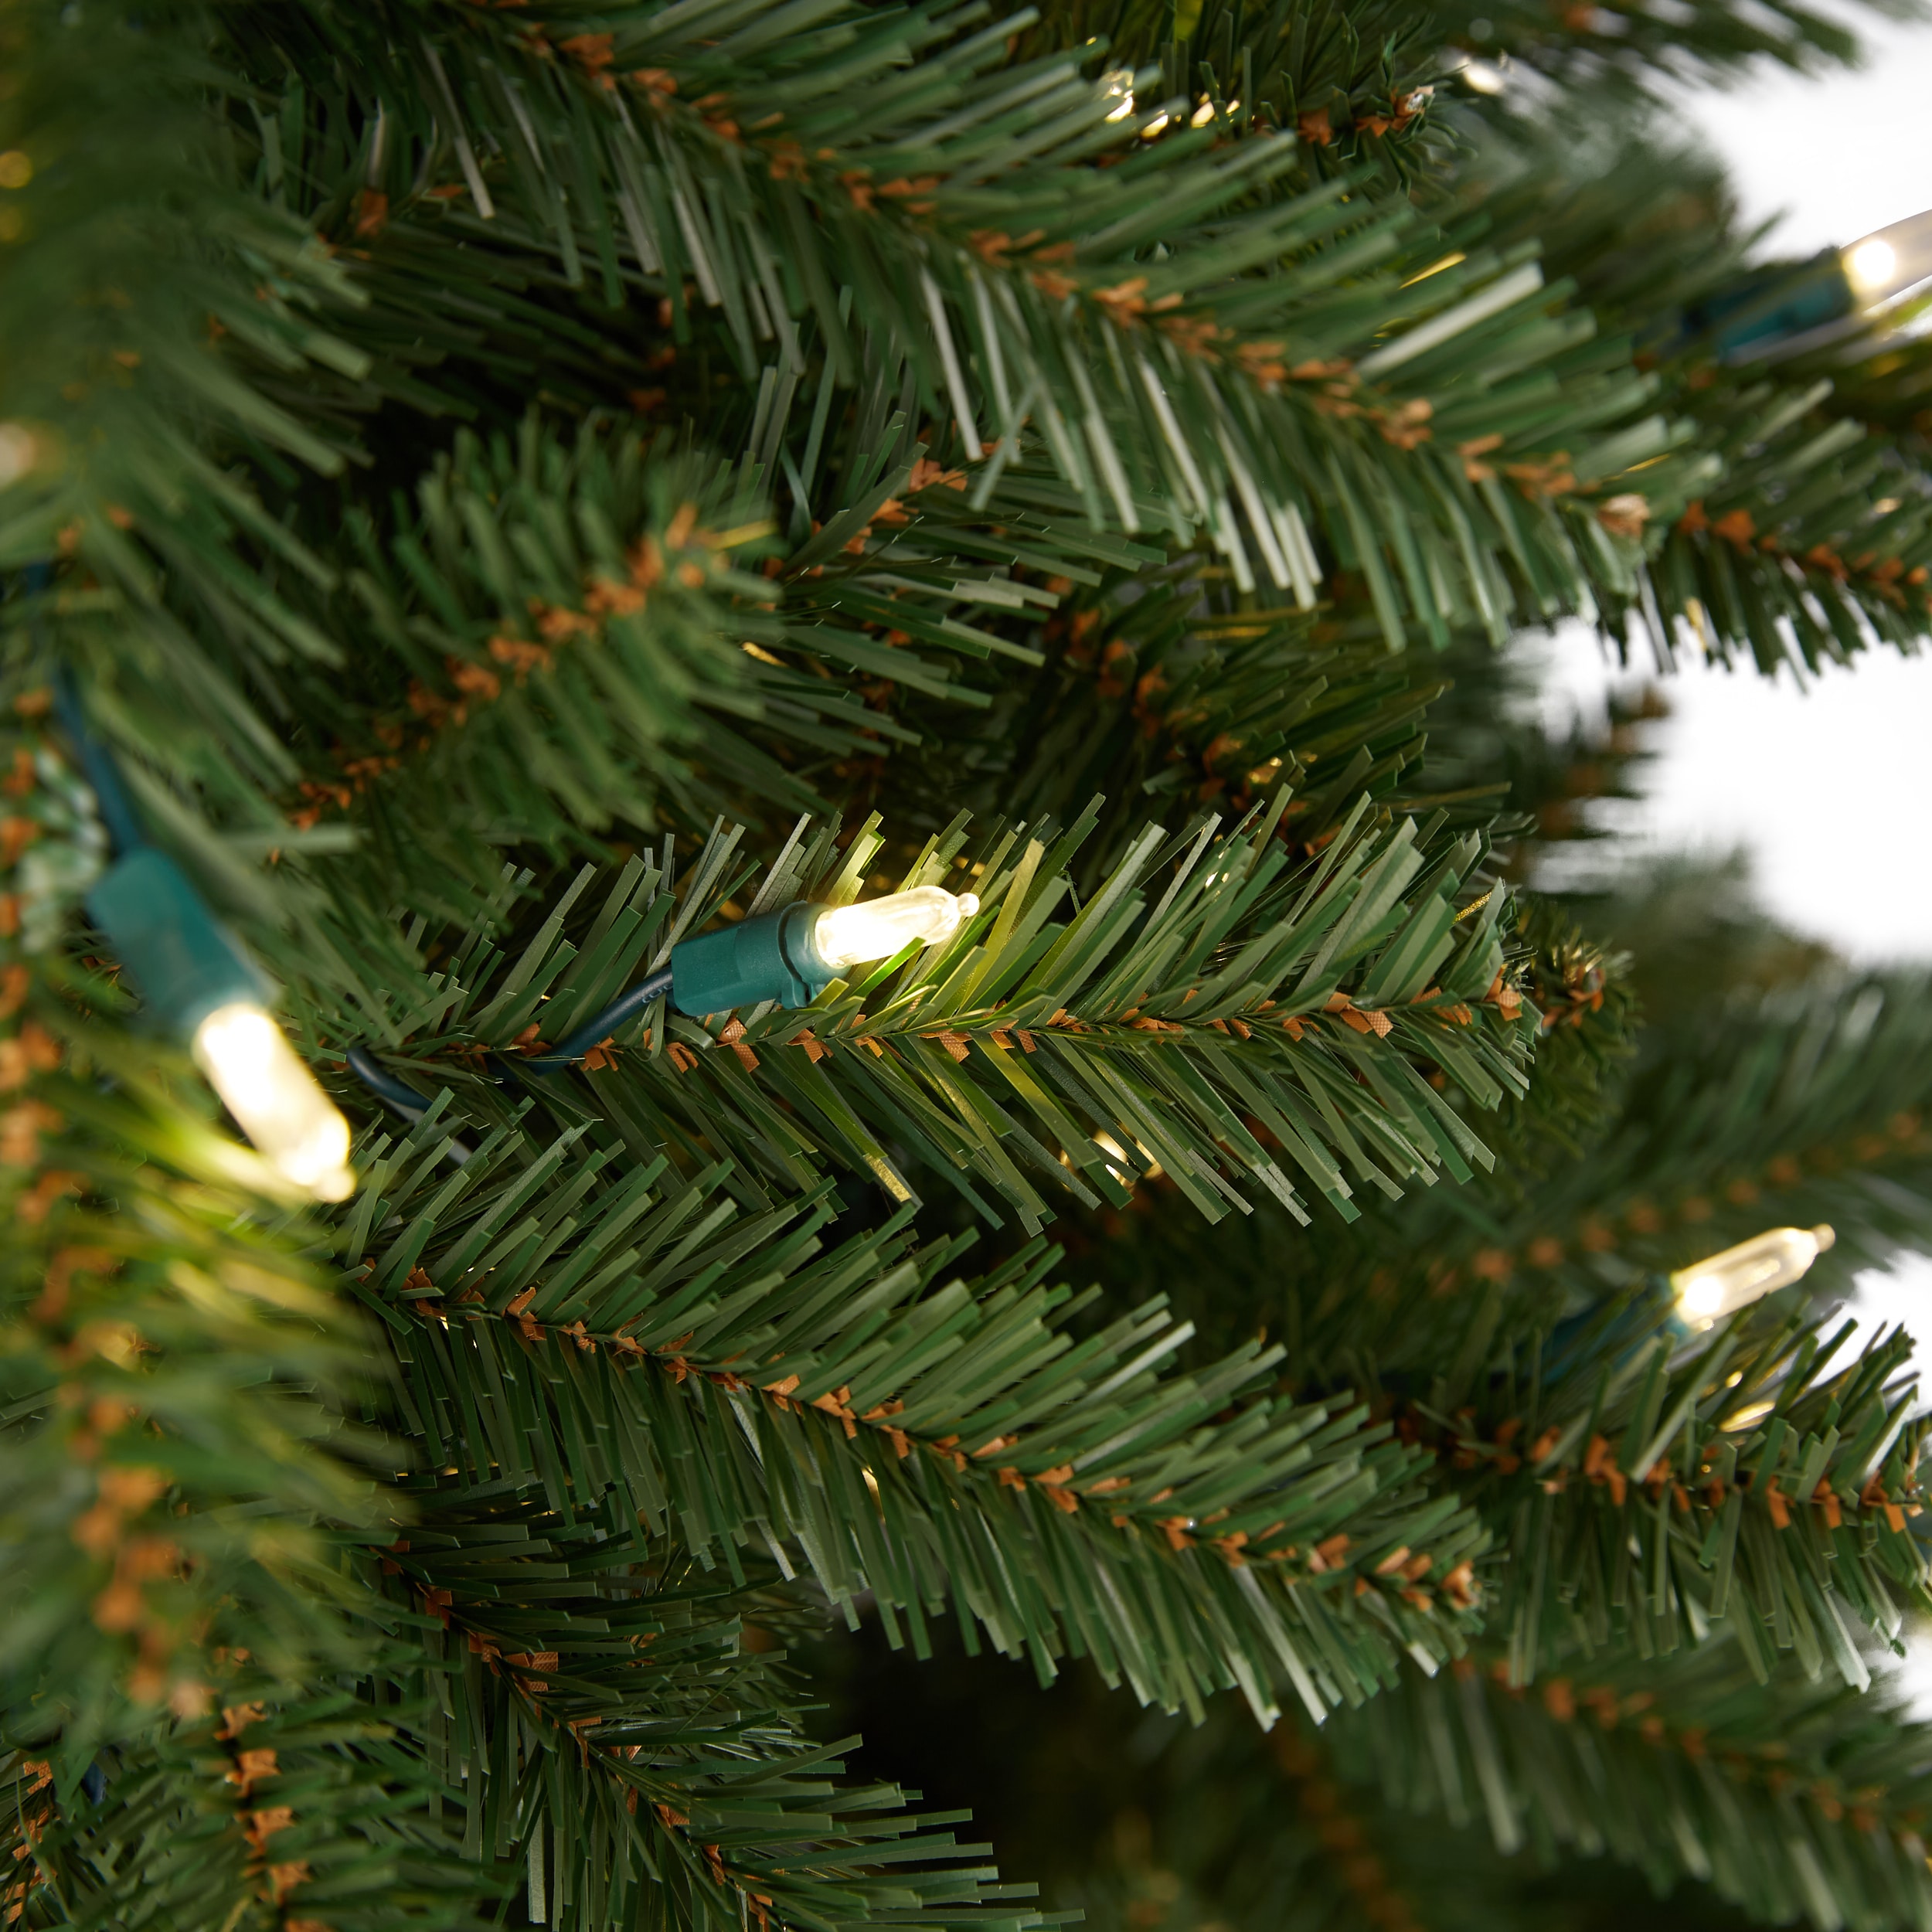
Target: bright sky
x: 1829, y: 788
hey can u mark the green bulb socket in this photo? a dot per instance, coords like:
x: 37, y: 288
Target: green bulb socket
x: 183, y: 963
x: 771, y: 956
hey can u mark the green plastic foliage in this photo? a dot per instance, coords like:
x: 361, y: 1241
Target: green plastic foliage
x: 1813, y: 536
x: 646, y: 1418
x: 921, y: 1438
x: 1359, y: 67
x: 1653, y: 1489
x: 1590, y: 1030
x: 129, y: 260
x: 636, y: 1758
x: 1888, y: 389
x: 1162, y: 692
x: 1624, y: 48
x: 549, y: 643
x: 1301, y: 997
x: 999, y: 478
x: 1403, y: 1292
x: 263, y: 1817
x: 174, y: 1448
x: 591, y: 1709
x: 1456, y: 1801
x: 1788, y: 1109
x: 1784, y: 1109
x: 154, y: 1508
x: 1809, y: 537
x: 1796, y: 1800
x: 954, y: 250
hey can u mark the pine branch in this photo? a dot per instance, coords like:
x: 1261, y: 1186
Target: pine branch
x: 567, y: 613
x: 958, y: 357
x: 1146, y: 696
x: 1814, y: 531
x: 1764, y: 1499
x: 1301, y: 998
x: 173, y: 739
x: 912, y: 1437
x: 1781, y: 1111
x: 599, y: 1717
x: 1589, y: 1012
x: 129, y: 263
x: 1185, y: 417
x: 1810, y: 531
x: 1794, y: 1799
x: 1288, y: 1846
x: 1627, y: 50
x: 1885, y: 392
x: 174, y: 1376
x: 1653, y: 1489
x: 1352, y: 80
x: 1457, y: 1802
x: 1489, y: 744
x: 1620, y: 1536
x: 270, y: 1815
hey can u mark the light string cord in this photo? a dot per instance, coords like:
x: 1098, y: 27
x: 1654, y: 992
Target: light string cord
x: 411, y: 1104
x: 97, y: 763
x: 621, y: 1011
x: 124, y: 834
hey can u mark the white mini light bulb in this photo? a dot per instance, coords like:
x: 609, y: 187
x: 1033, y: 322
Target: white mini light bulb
x: 1872, y: 266
x: 850, y: 935
x: 274, y: 1098
x: 1723, y: 1283
x: 1879, y: 267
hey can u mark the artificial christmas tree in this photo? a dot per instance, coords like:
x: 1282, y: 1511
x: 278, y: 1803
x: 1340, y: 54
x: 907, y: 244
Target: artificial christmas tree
x: 524, y: 524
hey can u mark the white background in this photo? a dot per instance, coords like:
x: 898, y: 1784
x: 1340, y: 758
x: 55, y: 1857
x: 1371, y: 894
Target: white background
x: 1828, y: 788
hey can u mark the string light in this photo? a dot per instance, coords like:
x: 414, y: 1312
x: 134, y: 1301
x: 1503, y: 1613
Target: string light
x: 1120, y: 1167
x: 19, y: 451
x: 1688, y: 1302
x: 1721, y: 1284
x: 250, y: 1064
x: 789, y: 956
x: 1871, y: 265
x: 851, y: 935
x: 196, y: 983
x: 1835, y: 297
x: 1888, y: 262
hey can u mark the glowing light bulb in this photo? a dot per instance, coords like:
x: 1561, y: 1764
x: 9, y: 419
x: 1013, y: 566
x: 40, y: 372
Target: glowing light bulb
x: 848, y: 935
x: 274, y: 1098
x: 1872, y: 266
x: 1119, y: 86
x: 1724, y: 1283
x: 1125, y: 1171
